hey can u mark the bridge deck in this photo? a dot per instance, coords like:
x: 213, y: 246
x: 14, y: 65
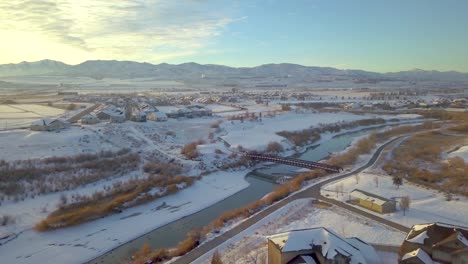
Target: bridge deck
x: 294, y: 162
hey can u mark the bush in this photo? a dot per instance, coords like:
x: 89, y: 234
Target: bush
x: 274, y: 147
x: 120, y: 196
x: 190, y: 150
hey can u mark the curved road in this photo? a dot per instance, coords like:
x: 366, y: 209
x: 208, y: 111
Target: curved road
x: 310, y: 192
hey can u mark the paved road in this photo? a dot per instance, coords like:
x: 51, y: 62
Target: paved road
x: 311, y: 192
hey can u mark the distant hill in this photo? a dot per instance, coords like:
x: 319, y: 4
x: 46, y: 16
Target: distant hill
x: 130, y: 69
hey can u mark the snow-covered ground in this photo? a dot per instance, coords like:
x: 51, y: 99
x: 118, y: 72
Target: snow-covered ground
x: 257, y: 135
x: 301, y: 214
x: 26, y: 144
x: 462, y: 152
x: 84, y: 242
x: 21, y: 115
x: 427, y: 205
x: 163, y: 139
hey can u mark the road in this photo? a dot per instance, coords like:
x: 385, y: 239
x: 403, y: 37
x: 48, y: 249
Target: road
x: 311, y: 192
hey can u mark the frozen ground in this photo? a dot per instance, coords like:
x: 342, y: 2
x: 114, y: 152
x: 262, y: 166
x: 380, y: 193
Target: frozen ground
x: 301, y: 214
x: 80, y: 243
x: 427, y: 205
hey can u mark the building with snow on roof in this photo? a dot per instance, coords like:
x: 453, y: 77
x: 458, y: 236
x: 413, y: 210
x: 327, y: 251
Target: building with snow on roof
x: 49, y: 124
x: 90, y: 119
x: 435, y: 243
x: 372, y: 202
x: 318, y: 246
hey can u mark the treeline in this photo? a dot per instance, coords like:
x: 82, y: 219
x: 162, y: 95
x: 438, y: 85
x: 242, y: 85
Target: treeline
x: 308, y: 136
x: 113, y: 200
x: 20, y: 179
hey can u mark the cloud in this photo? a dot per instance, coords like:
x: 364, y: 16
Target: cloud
x: 148, y: 30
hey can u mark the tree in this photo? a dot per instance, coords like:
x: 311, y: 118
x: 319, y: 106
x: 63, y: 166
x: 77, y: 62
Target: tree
x: 405, y: 203
x: 216, y: 258
x: 397, y: 181
x: 357, y: 177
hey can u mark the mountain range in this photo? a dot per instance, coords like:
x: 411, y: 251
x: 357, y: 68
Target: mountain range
x: 131, y: 69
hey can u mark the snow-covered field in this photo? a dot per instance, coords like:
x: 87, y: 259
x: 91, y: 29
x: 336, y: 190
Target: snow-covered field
x: 302, y: 214
x: 26, y: 144
x: 84, y: 242
x: 257, y: 135
x: 427, y: 205
x: 21, y: 115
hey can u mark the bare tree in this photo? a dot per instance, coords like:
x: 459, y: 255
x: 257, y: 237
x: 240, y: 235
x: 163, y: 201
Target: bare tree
x: 397, y: 181
x: 405, y: 203
x: 357, y: 177
x: 216, y: 258
x: 337, y: 190
x: 341, y: 187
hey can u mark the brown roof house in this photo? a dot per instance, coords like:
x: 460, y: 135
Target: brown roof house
x: 318, y: 246
x: 435, y: 243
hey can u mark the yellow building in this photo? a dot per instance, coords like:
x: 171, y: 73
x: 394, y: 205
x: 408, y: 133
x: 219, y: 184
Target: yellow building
x: 373, y: 202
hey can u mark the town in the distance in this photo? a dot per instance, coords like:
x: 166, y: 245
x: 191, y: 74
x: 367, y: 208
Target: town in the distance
x: 125, y: 162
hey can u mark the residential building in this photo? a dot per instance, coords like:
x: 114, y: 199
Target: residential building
x: 319, y: 246
x: 435, y: 243
x: 90, y: 119
x: 49, y: 124
x: 372, y: 202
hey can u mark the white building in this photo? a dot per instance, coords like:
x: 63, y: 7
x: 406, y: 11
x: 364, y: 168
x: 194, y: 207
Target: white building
x: 49, y: 124
x: 90, y: 119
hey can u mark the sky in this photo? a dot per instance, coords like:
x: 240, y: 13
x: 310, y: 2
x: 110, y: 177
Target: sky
x: 374, y: 35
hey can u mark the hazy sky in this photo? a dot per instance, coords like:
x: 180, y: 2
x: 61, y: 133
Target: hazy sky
x: 377, y: 35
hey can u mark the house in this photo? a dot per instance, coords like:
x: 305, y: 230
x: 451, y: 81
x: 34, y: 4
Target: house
x: 319, y: 246
x: 157, y: 116
x: 372, y: 202
x: 111, y: 113
x: 435, y: 243
x: 139, y: 116
x: 49, y: 124
x: 90, y: 119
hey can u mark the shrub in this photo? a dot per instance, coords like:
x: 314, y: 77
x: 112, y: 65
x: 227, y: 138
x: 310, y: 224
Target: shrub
x: 274, y: 147
x: 190, y: 150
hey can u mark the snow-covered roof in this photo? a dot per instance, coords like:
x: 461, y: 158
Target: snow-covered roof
x: 331, y: 244
x: 111, y: 110
x: 42, y: 122
x: 369, y: 197
x: 420, y: 254
x: 48, y: 121
x: 419, y: 239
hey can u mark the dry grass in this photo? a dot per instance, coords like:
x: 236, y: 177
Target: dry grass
x: 20, y: 179
x: 308, y: 136
x: 119, y: 197
x: 190, y: 150
x: 419, y: 159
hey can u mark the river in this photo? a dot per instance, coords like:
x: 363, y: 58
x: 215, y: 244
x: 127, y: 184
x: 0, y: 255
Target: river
x: 169, y: 235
